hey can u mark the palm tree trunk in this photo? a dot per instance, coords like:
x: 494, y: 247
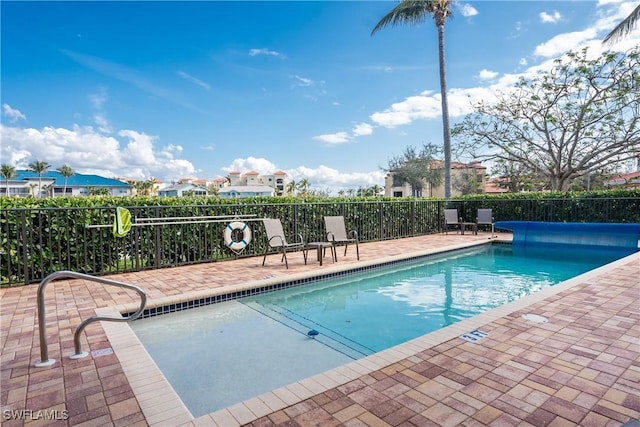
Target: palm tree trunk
x: 446, y: 134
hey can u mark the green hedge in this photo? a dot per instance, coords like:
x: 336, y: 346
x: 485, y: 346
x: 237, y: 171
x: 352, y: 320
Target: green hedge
x: 41, y: 236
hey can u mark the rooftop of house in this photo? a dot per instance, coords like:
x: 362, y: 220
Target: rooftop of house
x: 247, y: 189
x: 75, y: 180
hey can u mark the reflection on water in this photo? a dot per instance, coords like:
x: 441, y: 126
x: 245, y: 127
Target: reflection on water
x: 382, y: 308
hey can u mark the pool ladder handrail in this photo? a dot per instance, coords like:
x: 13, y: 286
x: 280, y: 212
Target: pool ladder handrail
x: 44, y: 351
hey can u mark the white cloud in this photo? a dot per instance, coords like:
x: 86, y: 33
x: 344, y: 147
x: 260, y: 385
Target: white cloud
x: 302, y: 81
x: 362, y: 129
x: 103, y: 123
x: 194, y: 80
x: 468, y: 11
x: 260, y: 165
x: 417, y: 107
x: 98, y: 100
x: 334, y: 138
x: 265, y: 52
x: 327, y: 178
x: 87, y: 150
x: 139, y: 149
x: 550, y: 18
x: 523, y: 62
x: 561, y: 43
x: 487, y: 74
x: 13, y: 114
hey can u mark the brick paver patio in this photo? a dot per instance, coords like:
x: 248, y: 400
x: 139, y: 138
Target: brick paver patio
x: 582, y: 367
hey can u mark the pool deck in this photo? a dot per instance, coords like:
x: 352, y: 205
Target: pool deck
x: 581, y: 367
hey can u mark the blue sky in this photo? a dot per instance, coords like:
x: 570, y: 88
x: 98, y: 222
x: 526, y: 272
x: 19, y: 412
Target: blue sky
x: 198, y: 89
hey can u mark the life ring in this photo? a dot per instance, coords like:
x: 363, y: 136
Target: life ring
x: 239, y: 245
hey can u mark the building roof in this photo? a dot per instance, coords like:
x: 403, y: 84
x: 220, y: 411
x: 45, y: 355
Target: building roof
x: 75, y: 180
x: 185, y: 186
x: 247, y: 189
x: 632, y: 178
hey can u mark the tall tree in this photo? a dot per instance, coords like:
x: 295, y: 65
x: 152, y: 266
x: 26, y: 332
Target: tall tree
x: 8, y: 172
x: 416, y: 168
x: 303, y: 187
x: 66, y: 172
x: 40, y: 168
x: 415, y: 12
x: 624, y: 27
x: 290, y: 189
x: 575, y: 119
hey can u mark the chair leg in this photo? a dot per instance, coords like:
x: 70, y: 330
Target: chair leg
x: 284, y: 256
x: 357, y: 251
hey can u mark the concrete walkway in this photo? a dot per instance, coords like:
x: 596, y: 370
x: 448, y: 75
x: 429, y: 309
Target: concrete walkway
x: 582, y: 367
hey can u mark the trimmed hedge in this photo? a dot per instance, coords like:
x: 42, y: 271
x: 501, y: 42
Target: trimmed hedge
x: 41, y: 236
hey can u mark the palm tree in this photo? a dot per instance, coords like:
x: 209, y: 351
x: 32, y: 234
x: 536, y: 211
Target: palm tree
x: 66, y: 171
x: 303, y: 187
x: 625, y: 27
x: 291, y: 187
x: 8, y: 172
x: 413, y: 12
x: 40, y: 168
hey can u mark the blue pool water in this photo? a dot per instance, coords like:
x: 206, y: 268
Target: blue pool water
x: 242, y: 348
x: 379, y: 309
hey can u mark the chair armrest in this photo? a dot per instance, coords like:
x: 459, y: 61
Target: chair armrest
x: 330, y: 237
x: 353, y: 234
x: 277, y: 238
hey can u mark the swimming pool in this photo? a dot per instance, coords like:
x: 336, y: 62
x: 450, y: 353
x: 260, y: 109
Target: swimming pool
x: 238, y: 352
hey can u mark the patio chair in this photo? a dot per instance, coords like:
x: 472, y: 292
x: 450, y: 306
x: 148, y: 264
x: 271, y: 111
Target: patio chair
x: 278, y: 241
x: 337, y: 234
x: 451, y: 219
x: 485, y: 217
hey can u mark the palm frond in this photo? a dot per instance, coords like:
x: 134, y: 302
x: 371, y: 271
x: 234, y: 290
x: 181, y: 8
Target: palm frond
x: 625, y: 27
x: 413, y: 12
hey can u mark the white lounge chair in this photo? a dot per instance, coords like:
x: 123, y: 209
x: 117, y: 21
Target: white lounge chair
x: 337, y: 233
x: 277, y: 240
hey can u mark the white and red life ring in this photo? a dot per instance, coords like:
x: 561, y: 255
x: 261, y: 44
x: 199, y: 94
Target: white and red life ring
x: 237, y: 245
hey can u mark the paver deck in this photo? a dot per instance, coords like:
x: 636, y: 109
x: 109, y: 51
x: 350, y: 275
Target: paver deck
x: 582, y: 367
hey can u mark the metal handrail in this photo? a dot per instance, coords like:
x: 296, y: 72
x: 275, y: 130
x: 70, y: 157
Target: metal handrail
x: 44, y: 351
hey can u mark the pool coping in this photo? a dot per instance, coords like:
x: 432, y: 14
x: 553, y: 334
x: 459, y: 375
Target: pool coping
x: 161, y: 405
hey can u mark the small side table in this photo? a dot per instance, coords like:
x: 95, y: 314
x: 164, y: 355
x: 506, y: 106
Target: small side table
x: 472, y: 225
x: 320, y: 247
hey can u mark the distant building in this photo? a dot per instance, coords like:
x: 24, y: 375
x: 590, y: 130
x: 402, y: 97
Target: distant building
x: 277, y: 181
x: 496, y: 185
x: 181, y: 190
x: 237, y: 191
x: 52, y: 183
x: 627, y: 180
x: 471, y: 174
x: 219, y: 183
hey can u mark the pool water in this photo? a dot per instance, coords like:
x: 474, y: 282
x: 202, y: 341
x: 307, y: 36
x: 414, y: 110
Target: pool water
x: 377, y: 310
x: 221, y: 354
